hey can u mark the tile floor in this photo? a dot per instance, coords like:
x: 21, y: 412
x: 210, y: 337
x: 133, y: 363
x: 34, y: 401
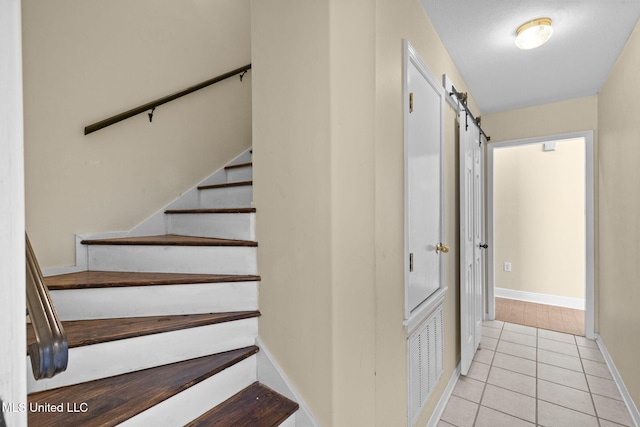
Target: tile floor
x: 524, y: 376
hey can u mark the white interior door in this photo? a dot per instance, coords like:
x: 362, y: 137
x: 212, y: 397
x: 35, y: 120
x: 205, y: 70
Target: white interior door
x: 423, y: 188
x: 471, y: 239
x: 424, y: 225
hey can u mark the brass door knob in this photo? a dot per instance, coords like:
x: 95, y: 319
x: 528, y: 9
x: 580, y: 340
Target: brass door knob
x: 442, y: 248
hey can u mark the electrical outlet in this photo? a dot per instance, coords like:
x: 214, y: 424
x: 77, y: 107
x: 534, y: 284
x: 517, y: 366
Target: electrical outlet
x: 507, y: 266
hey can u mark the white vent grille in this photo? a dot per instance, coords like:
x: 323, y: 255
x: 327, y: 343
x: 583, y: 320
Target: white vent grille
x: 426, y: 357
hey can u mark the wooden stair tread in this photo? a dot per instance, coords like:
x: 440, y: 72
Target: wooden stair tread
x: 255, y: 406
x: 228, y: 184
x: 239, y: 165
x: 87, y: 332
x: 169, y: 240
x: 113, y: 400
x: 211, y: 211
x: 115, y: 279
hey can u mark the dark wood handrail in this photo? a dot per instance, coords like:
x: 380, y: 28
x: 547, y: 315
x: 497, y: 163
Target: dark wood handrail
x: 150, y: 105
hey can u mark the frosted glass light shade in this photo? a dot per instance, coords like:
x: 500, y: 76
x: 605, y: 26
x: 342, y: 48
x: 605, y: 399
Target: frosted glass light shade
x: 534, y: 33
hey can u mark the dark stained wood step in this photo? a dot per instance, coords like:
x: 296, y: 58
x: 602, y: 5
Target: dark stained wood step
x: 110, y: 401
x: 116, y: 279
x: 87, y: 332
x: 169, y: 240
x: 255, y: 406
x: 212, y: 211
x: 228, y: 184
x: 239, y: 165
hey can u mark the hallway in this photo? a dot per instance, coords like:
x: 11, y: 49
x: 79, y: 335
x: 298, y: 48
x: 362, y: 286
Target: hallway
x: 524, y: 376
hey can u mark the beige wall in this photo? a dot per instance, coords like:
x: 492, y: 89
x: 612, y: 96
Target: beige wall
x: 619, y: 205
x: 352, y: 109
x: 292, y: 192
x: 574, y: 115
x: 539, y: 221
x: 328, y: 153
x: 85, y: 60
x: 313, y: 171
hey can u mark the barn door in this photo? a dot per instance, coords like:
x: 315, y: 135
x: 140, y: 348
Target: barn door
x: 471, y: 238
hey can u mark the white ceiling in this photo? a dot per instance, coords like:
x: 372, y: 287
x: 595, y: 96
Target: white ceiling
x: 479, y: 35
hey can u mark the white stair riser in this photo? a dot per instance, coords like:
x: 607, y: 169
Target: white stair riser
x: 137, y: 301
x: 220, y: 175
x: 188, y: 405
x: 133, y: 354
x: 238, y: 226
x: 240, y: 174
x: 289, y: 422
x: 227, y: 197
x: 173, y: 259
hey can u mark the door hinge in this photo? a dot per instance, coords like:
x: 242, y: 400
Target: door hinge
x: 410, y: 263
x: 411, y: 102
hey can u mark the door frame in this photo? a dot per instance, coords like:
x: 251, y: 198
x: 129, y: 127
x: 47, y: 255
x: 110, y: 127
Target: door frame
x: 13, y: 368
x: 589, y: 323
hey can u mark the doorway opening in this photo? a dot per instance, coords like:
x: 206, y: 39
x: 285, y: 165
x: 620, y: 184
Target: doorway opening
x: 541, y: 231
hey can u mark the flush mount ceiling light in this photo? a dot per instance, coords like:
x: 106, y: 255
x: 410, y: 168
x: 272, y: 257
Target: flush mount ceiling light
x: 534, y: 33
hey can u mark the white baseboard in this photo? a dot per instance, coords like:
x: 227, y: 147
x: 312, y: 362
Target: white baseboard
x: 271, y: 375
x: 548, y: 299
x: 444, y: 399
x: 81, y: 253
x: 56, y: 271
x: 628, y: 400
x: 154, y: 224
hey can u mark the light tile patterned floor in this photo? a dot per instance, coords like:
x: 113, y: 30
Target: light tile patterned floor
x: 524, y: 376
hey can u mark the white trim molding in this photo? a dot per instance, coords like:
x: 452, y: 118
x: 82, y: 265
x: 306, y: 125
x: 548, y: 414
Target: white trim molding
x: 13, y: 368
x: 617, y: 378
x: 271, y: 375
x: 424, y: 310
x: 444, y: 399
x: 451, y: 98
x: 548, y: 299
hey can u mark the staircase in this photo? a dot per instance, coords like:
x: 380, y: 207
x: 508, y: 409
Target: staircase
x: 162, y: 328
